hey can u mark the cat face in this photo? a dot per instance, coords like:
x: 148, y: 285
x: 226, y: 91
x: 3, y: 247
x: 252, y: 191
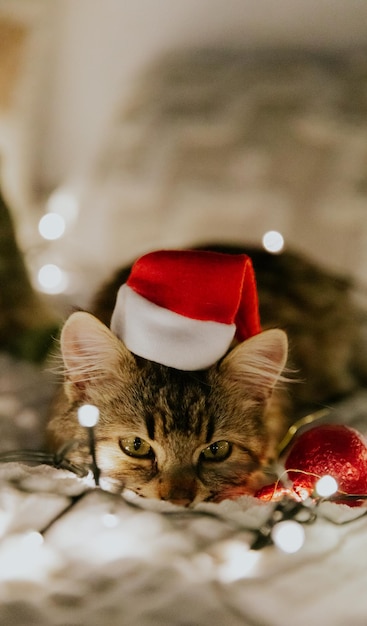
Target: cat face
x: 164, y: 433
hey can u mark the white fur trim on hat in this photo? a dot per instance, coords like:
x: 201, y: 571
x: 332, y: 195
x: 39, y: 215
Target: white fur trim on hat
x: 166, y: 337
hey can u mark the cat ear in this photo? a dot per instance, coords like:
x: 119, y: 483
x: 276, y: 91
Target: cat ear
x: 257, y: 363
x: 91, y: 353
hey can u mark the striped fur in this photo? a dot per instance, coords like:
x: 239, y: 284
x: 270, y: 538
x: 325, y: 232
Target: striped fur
x: 179, y: 414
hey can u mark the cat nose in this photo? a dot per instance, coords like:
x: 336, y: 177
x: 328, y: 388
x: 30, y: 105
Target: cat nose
x: 178, y: 488
x: 181, y: 501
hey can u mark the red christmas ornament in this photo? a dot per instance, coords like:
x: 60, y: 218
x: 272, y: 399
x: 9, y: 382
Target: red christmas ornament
x: 333, y: 450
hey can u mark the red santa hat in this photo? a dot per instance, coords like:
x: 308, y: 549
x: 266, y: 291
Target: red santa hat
x: 182, y: 308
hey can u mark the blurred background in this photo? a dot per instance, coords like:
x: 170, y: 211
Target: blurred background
x: 128, y: 126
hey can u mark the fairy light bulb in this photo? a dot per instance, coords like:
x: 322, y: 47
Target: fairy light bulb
x: 27, y: 557
x: 273, y: 241
x: 51, y: 226
x: 288, y: 536
x: 52, y: 279
x: 326, y: 486
x: 88, y: 415
x: 237, y: 561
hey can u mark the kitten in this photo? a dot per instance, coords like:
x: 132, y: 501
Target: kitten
x: 165, y: 433
x: 189, y: 437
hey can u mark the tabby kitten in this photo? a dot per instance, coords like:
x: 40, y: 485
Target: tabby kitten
x: 189, y: 437
x: 165, y: 433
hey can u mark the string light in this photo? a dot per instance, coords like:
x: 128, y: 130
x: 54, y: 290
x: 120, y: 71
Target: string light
x: 238, y: 561
x: 52, y: 279
x: 326, y: 486
x: 51, y: 226
x: 288, y: 536
x: 23, y: 556
x: 88, y: 415
x: 62, y: 208
x: 273, y: 241
x: 229, y: 560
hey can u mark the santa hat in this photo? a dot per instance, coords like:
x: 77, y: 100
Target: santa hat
x: 183, y: 308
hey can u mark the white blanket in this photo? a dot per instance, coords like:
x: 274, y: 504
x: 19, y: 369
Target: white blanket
x: 110, y: 560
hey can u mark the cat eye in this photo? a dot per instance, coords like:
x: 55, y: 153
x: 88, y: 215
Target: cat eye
x: 137, y: 447
x: 217, y: 451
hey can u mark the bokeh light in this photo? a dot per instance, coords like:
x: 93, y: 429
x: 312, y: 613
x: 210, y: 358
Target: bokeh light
x: 273, y: 241
x: 52, y: 279
x: 51, y: 226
